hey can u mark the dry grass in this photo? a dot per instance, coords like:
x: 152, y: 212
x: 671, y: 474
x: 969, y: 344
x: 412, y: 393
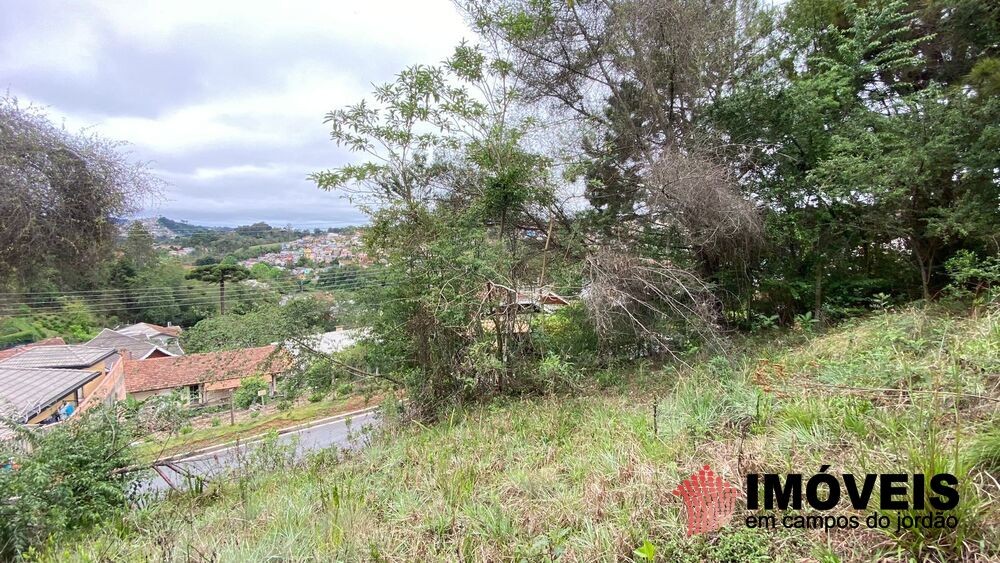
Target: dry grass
x: 588, y: 479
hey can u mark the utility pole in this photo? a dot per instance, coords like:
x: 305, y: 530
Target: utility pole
x: 222, y: 295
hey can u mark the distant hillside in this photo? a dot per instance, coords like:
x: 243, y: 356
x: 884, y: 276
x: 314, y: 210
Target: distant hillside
x: 182, y: 229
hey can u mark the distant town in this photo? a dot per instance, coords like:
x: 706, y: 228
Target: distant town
x: 303, y: 255
x: 321, y: 250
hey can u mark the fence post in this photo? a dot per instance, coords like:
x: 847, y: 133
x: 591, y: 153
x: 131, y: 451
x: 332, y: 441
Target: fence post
x: 232, y: 418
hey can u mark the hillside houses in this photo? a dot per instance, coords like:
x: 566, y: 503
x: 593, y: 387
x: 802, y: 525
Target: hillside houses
x: 324, y: 249
x: 140, y: 361
x: 44, y: 381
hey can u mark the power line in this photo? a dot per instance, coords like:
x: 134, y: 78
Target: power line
x: 241, y: 295
x: 57, y: 294
x: 130, y: 298
x: 211, y: 291
x: 238, y: 292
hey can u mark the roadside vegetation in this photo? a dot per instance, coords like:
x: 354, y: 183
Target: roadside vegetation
x: 213, y: 428
x: 588, y: 477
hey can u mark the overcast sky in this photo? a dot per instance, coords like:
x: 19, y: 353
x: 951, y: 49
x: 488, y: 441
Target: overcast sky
x: 225, y: 98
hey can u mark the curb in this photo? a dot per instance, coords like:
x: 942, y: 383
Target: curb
x: 258, y: 437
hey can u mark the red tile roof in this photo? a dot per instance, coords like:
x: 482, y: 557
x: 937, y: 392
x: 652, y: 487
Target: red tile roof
x: 179, y: 371
x: 56, y: 341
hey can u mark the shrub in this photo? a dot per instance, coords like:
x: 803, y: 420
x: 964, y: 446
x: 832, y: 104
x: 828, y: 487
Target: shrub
x: 984, y: 451
x: 568, y: 332
x: 557, y: 373
x: 163, y: 413
x: 742, y: 545
x: 971, y: 275
x: 67, y: 482
x: 216, y: 422
x: 246, y: 395
x: 319, y: 375
x: 284, y: 405
x: 609, y: 377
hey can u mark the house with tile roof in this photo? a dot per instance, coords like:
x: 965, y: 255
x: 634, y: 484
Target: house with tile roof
x: 35, y: 382
x: 56, y: 341
x: 166, y: 337
x: 74, y: 356
x: 33, y: 395
x: 206, y: 377
x: 133, y: 348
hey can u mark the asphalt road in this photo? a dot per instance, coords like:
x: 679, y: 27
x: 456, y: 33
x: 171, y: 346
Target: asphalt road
x: 348, y: 432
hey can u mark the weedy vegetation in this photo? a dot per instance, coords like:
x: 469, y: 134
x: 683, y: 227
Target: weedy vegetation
x: 590, y: 477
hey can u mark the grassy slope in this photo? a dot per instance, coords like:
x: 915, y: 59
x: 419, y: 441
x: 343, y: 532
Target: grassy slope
x: 587, y: 478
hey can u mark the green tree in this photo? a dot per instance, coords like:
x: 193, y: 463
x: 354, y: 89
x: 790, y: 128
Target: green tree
x: 67, y: 481
x: 450, y: 188
x: 220, y: 274
x: 265, y: 324
x: 62, y: 193
x: 263, y: 272
x: 137, y: 249
x: 636, y: 79
x: 872, y: 151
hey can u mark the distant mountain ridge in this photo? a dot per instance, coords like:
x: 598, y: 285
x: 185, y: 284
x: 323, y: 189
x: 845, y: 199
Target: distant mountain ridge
x: 183, y: 229
x: 163, y: 228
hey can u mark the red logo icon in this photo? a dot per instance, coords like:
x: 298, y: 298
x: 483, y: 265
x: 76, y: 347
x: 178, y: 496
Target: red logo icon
x: 708, y: 500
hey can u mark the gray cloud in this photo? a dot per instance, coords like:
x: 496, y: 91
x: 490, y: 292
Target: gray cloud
x: 226, y: 100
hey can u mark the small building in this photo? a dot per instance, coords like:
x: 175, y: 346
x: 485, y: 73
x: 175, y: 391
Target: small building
x: 37, y: 381
x: 63, y: 357
x: 56, y: 341
x: 133, y: 348
x: 521, y: 305
x: 166, y: 337
x: 205, y: 377
x: 34, y: 395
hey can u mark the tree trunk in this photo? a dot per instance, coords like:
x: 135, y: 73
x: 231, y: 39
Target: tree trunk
x: 925, y: 279
x: 498, y: 326
x: 924, y: 253
x: 818, y: 294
